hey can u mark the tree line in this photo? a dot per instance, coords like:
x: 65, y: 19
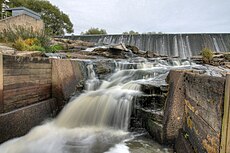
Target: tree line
x: 56, y: 21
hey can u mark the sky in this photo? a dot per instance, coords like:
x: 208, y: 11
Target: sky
x: 168, y: 16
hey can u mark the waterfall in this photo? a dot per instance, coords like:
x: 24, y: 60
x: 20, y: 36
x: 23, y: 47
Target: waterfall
x: 97, y: 121
x: 92, y: 82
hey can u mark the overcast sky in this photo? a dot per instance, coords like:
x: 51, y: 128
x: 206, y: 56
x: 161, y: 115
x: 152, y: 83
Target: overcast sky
x: 169, y: 16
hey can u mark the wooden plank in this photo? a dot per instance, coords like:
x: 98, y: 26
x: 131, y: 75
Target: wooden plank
x: 225, y: 135
x: 1, y: 83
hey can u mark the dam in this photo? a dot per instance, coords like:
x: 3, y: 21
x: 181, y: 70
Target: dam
x: 112, y: 105
x: 175, y: 45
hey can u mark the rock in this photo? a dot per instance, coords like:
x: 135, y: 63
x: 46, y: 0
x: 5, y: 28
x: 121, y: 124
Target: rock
x: 29, y: 53
x: 227, y: 57
x: 71, y: 44
x: 151, y: 54
x: 134, y: 49
x: 55, y: 55
x: 7, y: 50
x: 114, y: 51
x: 102, y: 68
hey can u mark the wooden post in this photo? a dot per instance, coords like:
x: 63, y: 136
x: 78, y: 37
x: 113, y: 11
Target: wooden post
x: 1, y: 83
x: 225, y: 134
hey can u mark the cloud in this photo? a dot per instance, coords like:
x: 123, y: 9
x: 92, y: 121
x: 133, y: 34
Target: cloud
x: 117, y: 16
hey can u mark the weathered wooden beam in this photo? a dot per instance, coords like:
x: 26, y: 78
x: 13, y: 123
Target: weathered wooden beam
x: 225, y: 135
x: 1, y: 83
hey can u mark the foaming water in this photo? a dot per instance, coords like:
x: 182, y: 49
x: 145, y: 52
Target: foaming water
x: 49, y: 138
x: 97, y: 121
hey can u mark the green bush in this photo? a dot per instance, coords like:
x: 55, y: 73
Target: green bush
x: 54, y: 48
x: 207, y: 55
x: 37, y: 48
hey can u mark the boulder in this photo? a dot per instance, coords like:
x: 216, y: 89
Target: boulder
x: 113, y: 51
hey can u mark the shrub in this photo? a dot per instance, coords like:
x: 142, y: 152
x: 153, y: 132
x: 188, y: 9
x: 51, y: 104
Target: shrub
x: 37, y: 48
x: 207, y: 55
x: 20, y: 45
x: 19, y: 32
x: 30, y: 44
x: 54, y: 48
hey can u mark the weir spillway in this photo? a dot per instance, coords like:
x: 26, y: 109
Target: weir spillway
x: 181, y: 45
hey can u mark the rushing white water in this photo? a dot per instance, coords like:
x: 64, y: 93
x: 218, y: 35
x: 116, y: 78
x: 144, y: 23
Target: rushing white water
x: 92, y: 83
x: 97, y: 121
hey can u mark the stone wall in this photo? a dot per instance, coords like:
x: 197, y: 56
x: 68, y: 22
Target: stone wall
x: 24, y: 21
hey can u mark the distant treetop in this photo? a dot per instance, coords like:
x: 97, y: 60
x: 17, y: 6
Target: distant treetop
x: 131, y: 32
x: 94, y: 31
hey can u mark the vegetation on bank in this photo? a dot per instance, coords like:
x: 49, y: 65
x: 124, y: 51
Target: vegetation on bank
x: 56, y: 23
x: 28, y: 40
x: 207, y: 55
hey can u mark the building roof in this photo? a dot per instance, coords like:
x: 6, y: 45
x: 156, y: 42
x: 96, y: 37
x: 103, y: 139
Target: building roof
x: 24, y: 9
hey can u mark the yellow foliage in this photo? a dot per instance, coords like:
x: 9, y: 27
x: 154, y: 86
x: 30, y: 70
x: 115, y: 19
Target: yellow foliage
x: 20, y: 45
x: 31, y: 41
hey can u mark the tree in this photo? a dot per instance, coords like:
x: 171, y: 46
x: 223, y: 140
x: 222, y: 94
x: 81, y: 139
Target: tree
x: 94, y: 31
x: 56, y: 21
x: 131, y: 32
x: 3, y: 5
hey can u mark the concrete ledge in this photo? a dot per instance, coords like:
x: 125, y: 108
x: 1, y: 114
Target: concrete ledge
x: 19, y: 122
x: 174, y: 107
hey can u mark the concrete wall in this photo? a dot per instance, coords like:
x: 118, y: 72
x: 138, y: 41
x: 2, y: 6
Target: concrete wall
x: 204, y: 101
x: 25, y: 94
x: 24, y: 21
x: 26, y: 81
x: 33, y: 89
x: 194, y: 111
x: 18, y: 122
x: 66, y: 76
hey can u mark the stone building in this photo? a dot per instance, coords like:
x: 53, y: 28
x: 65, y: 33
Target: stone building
x: 22, y: 17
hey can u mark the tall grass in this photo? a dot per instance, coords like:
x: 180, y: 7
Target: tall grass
x: 14, y: 33
x: 24, y: 39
